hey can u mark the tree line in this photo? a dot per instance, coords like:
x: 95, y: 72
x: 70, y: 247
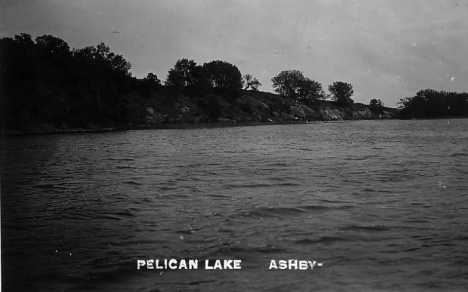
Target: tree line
x: 293, y: 84
x: 46, y: 81
x: 193, y: 80
x: 430, y: 103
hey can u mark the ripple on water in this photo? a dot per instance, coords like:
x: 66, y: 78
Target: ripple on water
x: 365, y: 198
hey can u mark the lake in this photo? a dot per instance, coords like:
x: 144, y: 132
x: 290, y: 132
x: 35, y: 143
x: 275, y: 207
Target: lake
x: 380, y: 205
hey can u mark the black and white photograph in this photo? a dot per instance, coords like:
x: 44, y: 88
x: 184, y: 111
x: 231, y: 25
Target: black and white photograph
x: 234, y: 145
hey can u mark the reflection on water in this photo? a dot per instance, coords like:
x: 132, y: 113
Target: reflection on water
x: 382, y: 204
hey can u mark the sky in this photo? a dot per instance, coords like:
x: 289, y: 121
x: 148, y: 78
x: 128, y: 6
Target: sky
x: 387, y: 49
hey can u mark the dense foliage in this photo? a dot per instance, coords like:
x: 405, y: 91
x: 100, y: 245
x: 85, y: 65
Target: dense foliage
x: 341, y: 93
x: 189, y: 79
x: 376, y: 106
x: 186, y: 78
x: 429, y: 103
x: 224, y: 78
x: 293, y: 84
x: 46, y: 82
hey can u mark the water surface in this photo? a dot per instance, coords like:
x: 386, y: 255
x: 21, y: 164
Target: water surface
x: 382, y: 204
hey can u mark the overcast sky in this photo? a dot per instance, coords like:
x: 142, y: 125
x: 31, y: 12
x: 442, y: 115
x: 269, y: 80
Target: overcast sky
x: 386, y: 49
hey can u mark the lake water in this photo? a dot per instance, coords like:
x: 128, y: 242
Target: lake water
x: 382, y: 205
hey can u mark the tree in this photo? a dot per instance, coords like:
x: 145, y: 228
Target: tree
x: 46, y: 82
x: 182, y: 75
x: 17, y: 80
x: 151, y: 78
x: 311, y: 90
x: 248, y: 81
x: 187, y: 78
x: 224, y: 78
x: 292, y: 83
x: 115, y: 62
x: 376, y: 106
x: 101, y: 58
x: 24, y: 40
x: 105, y: 76
x: 151, y: 82
x: 341, y: 92
x: 52, y: 45
x: 429, y: 103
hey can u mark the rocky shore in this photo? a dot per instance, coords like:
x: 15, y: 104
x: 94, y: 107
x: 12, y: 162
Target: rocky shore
x: 253, y: 108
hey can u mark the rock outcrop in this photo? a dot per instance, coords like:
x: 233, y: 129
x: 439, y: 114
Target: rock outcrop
x: 256, y: 107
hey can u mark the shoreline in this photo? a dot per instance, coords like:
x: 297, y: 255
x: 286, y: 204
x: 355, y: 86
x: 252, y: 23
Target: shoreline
x: 186, y: 126
x: 181, y: 126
